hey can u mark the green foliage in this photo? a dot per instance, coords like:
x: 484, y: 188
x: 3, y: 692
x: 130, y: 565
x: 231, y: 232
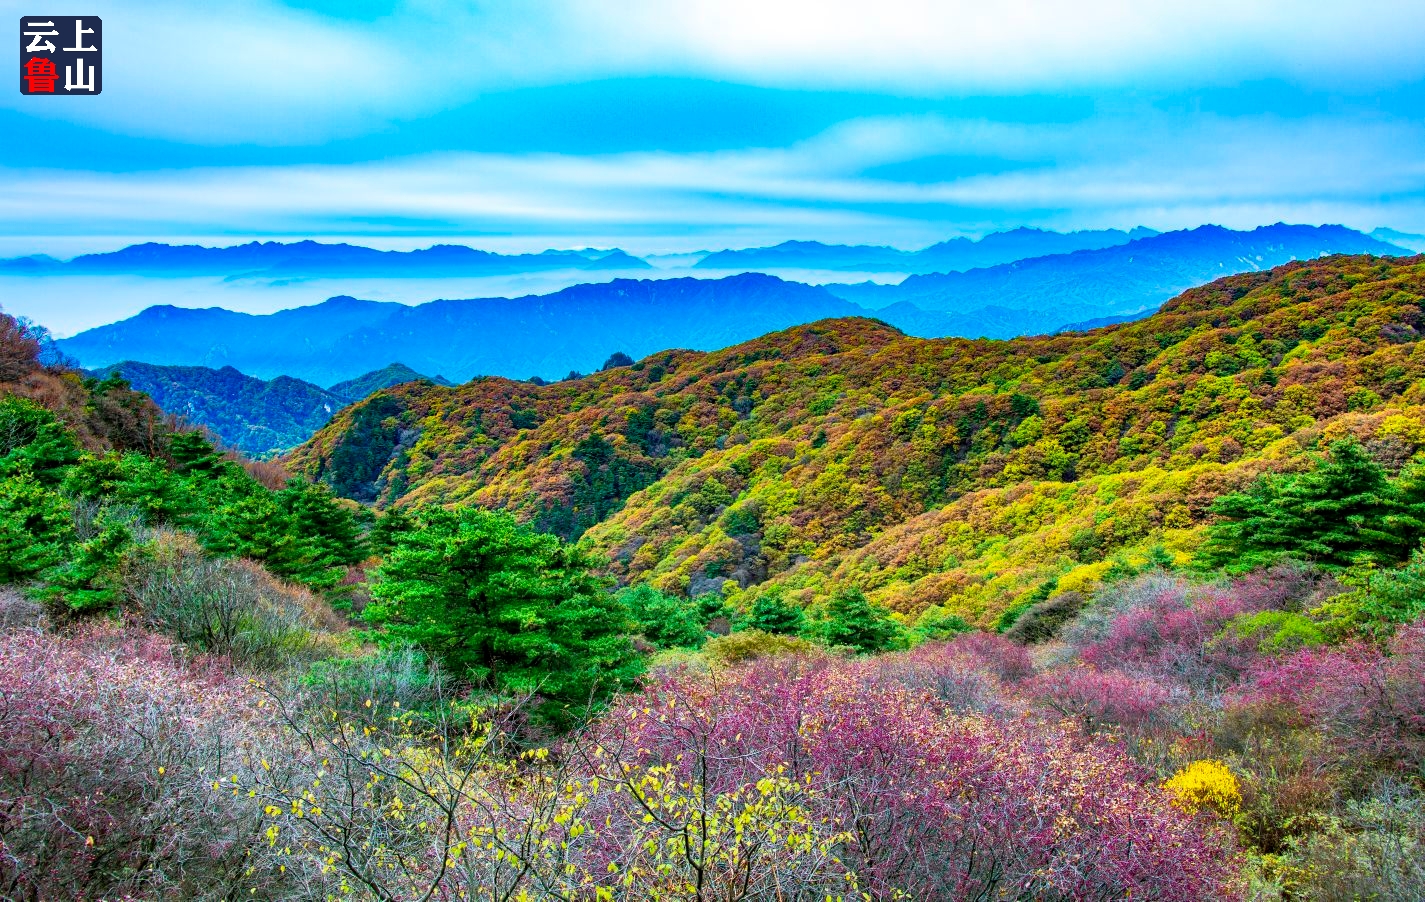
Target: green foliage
x: 390, y: 525
x: 504, y: 606
x: 1393, y: 597
x: 88, y: 581
x: 327, y: 527
x: 192, y: 453
x: 664, y: 620
x: 135, y: 480
x: 940, y: 625
x: 33, y: 441
x: 1344, y: 511
x: 748, y: 645
x: 850, y: 619
x: 1277, y: 631
x: 1011, y: 614
x: 36, y: 528
x: 771, y: 613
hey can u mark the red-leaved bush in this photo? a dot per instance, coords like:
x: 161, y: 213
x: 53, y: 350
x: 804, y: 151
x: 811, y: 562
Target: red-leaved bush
x: 1371, y: 700
x: 934, y: 804
x: 108, y: 743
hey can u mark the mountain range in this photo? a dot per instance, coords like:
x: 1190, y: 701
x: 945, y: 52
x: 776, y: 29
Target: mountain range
x: 966, y: 474
x: 309, y: 259
x: 579, y: 327
x: 1128, y: 278
x: 258, y: 417
x: 574, y: 329
x: 947, y: 256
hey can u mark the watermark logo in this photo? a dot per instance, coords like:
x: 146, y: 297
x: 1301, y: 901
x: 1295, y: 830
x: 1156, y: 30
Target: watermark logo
x: 61, y: 55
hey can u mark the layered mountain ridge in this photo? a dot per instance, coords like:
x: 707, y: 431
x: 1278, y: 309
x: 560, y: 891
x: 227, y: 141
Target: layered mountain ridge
x: 579, y: 327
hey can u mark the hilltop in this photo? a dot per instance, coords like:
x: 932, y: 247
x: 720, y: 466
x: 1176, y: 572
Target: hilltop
x: 966, y: 473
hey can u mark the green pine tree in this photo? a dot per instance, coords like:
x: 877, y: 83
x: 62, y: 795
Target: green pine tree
x: 1343, y: 512
x: 32, y: 440
x: 36, y: 528
x: 326, y: 526
x: 388, y: 528
x: 134, y: 480
x: 503, y: 606
x: 89, y: 581
x: 850, y: 619
x: 193, y: 453
x: 665, y: 621
x: 771, y: 613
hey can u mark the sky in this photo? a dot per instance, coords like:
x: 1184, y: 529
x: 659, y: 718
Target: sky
x: 674, y: 125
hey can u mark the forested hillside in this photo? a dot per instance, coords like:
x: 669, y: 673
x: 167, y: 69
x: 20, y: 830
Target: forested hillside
x: 259, y: 417
x: 968, y: 475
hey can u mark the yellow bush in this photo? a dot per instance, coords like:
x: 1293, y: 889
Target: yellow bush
x: 1205, y: 784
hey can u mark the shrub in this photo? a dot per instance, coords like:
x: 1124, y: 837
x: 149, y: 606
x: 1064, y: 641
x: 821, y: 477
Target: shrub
x: 748, y: 645
x: 108, y: 744
x: 1206, y: 785
x: 1376, y: 850
x: 1042, y: 621
x: 222, y: 606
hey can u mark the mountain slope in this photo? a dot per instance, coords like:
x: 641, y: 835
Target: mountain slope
x: 1049, y: 292
x: 256, y: 416
x: 548, y: 335
x: 253, y: 415
x: 257, y: 345
x: 947, y: 256
x: 954, y: 472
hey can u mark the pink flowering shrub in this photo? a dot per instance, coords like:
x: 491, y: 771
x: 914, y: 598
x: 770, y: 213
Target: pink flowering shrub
x: 1100, y: 699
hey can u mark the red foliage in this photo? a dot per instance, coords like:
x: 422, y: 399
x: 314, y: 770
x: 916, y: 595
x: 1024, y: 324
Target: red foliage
x: 936, y: 804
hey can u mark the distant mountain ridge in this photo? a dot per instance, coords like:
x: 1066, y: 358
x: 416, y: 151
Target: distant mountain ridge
x: 256, y: 416
x: 378, y: 380
x: 954, y: 255
x: 578, y: 327
x: 1113, y: 281
x: 274, y: 259
x: 544, y: 335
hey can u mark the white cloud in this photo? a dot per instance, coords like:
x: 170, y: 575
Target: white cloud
x: 1155, y: 170
x: 254, y: 71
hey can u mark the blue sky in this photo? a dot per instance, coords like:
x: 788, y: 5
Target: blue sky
x: 663, y: 125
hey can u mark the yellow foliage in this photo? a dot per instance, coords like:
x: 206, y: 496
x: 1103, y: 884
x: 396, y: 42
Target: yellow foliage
x: 1205, y: 784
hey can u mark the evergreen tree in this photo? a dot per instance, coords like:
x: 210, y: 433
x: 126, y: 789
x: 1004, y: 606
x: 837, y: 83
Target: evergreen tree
x: 134, y: 480
x: 257, y: 527
x: 36, y: 528
x: 770, y: 613
x: 850, y: 619
x: 325, y: 526
x: 939, y: 624
x: 665, y: 621
x: 504, y: 606
x: 1344, y: 511
x: 193, y: 453
x: 89, y: 581
x: 32, y: 440
x: 388, y: 528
